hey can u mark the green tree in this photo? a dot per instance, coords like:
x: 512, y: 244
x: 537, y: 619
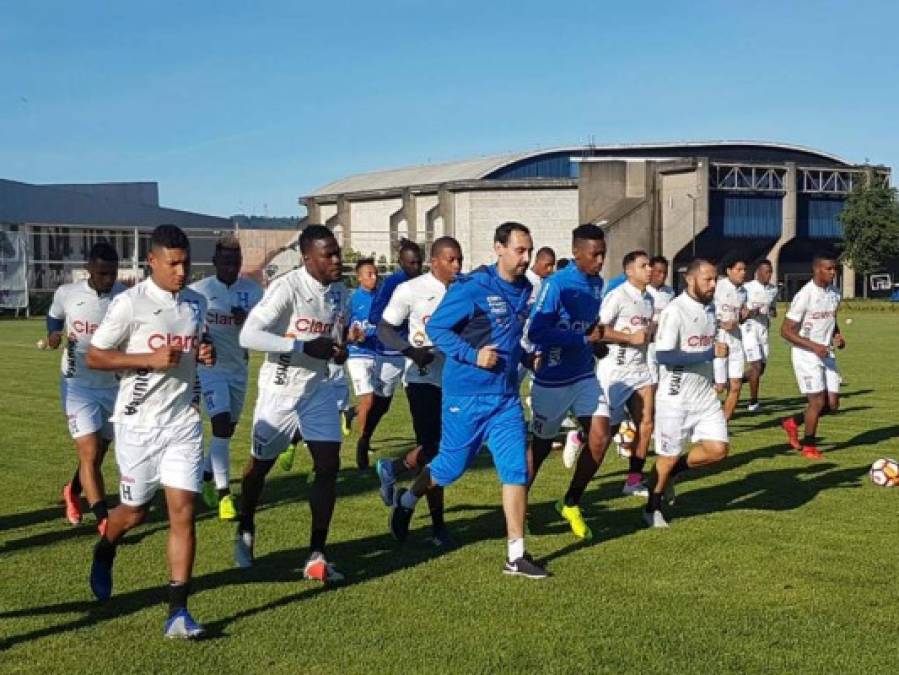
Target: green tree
x: 870, y: 221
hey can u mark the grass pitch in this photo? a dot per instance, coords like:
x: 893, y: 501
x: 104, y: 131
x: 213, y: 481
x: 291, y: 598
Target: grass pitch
x: 773, y: 563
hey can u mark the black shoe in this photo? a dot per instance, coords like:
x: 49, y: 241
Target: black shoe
x: 101, y: 573
x: 362, y: 454
x: 400, y: 517
x: 441, y: 539
x: 525, y: 567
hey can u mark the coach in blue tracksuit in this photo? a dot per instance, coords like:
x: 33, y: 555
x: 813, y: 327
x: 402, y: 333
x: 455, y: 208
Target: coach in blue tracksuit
x: 564, y: 329
x: 478, y: 326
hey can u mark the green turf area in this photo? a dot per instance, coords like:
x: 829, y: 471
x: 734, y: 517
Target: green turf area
x: 773, y: 563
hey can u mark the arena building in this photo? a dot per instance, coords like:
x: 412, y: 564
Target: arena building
x: 764, y: 199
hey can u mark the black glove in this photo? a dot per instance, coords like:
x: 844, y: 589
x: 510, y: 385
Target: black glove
x: 320, y: 348
x: 420, y: 356
x: 340, y: 355
x: 600, y: 350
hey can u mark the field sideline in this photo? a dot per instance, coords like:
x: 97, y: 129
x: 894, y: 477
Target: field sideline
x: 773, y: 563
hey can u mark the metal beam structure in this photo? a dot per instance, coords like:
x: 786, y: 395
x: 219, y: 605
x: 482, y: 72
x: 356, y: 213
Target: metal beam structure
x: 811, y: 180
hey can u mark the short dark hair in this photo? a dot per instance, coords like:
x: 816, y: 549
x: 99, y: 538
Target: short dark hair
x: 169, y: 236
x: 763, y: 261
x: 562, y: 263
x: 587, y: 231
x: 103, y: 251
x: 442, y: 243
x: 227, y: 242
x: 821, y: 256
x: 313, y: 233
x: 545, y: 252
x: 733, y: 260
x: 505, y: 230
x: 694, y: 265
x: 362, y: 262
x: 658, y: 260
x: 408, y: 245
x: 632, y: 256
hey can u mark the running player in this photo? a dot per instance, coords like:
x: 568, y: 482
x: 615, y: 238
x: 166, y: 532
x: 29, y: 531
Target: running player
x: 563, y: 329
x: 224, y: 386
x: 687, y: 406
x: 478, y: 326
x: 362, y: 340
x: 810, y: 326
x: 389, y: 363
x: 626, y: 317
x: 88, y: 396
x: 544, y: 262
x: 153, y: 334
x: 414, y: 302
x: 661, y: 294
x: 299, y: 324
x: 731, y: 311
x: 761, y: 299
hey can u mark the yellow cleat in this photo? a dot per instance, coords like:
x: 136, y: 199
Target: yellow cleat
x: 576, y: 519
x: 285, y: 459
x: 227, y: 509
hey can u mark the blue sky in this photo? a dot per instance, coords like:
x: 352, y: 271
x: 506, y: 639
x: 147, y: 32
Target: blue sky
x: 242, y: 106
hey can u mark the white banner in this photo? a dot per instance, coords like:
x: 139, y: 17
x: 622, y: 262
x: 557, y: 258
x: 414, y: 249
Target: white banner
x: 13, y: 270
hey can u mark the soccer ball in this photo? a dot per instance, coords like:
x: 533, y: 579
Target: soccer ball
x: 625, y: 437
x: 885, y: 472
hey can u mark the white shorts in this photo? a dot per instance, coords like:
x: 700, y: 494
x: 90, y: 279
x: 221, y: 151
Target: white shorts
x: 551, y: 405
x: 676, y: 427
x: 277, y: 419
x: 87, y: 410
x: 620, y: 387
x: 148, y: 458
x: 755, y: 343
x: 362, y: 373
x: 388, y: 374
x: 652, y: 363
x: 223, y: 393
x: 732, y: 366
x: 814, y: 374
x: 341, y: 388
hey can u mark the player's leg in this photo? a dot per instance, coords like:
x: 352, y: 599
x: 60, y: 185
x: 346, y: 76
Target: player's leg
x: 362, y: 373
x: 91, y: 451
x: 641, y: 405
x: 549, y: 407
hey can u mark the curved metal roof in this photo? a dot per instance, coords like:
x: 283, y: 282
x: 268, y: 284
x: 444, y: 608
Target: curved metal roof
x: 483, y: 167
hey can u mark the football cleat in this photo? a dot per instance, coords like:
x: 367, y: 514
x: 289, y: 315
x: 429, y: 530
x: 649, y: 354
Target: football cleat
x: 285, y: 459
x: 362, y: 450
x: 440, y: 538
x: 655, y: 519
x: 635, y: 489
x: 210, y: 494
x: 227, y: 509
x: 525, y: 567
x: 400, y: 517
x: 576, y: 519
x: 573, y: 444
x: 788, y: 424
x: 384, y: 469
x: 73, y: 504
x: 319, y: 569
x: 754, y: 407
x: 181, y: 625
x: 346, y: 421
x: 101, y: 575
x: 811, y: 452
x: 243, y: 548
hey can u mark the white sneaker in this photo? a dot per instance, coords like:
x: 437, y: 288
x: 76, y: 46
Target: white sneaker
x: 319, y: 569
x: 573, y: 445
x: 655, y: 519
x: 754, y: 407
x: 243, y: 549
x: 635, y: 490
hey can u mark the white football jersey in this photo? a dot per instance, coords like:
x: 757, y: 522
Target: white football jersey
x: 687, y: 326
x: 300, y: 307
x: 139, y: 321
x: 416, y: 300
x: 815, y: 310
x: 762, y: 298
x: 82, y: 308
x: 661, y: 296
x: 627, y: 310
x: 245, y: 293
x: 729, y: 300
x: 535, y: 280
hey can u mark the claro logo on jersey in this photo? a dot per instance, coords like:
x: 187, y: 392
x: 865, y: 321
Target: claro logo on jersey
x: 138, y: 391
x: 214, y: 318
x: 700, y: 340
x: 306, y: 325
x: 184, y: 342
x: 818, y: 316
x: 85, y: 327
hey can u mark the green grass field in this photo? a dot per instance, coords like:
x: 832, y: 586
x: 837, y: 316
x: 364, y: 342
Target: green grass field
x: 773, y: 563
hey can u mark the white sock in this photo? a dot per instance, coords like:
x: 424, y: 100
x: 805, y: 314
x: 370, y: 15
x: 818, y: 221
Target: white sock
x: 516, y: 549
x: 408, y: 500
x: 220, y: 455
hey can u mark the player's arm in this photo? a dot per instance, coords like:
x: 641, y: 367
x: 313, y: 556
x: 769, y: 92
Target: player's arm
x: 382, y: 298
x: 56, y: 320
x: 104, y: 354
x: 608, y: 315
x: 541, y: 330
x: 451, y: 315
x: 395, y: 315
x: 789, y: 329
x: 668, y: 351
x: 838, y: 340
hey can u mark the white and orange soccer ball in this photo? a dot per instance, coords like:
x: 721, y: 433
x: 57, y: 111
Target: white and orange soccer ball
x: 885, y: 472
x: 627, y: 434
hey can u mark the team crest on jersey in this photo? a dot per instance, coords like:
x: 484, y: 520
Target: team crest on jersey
x: 418, y: 339
x: 497, y: 305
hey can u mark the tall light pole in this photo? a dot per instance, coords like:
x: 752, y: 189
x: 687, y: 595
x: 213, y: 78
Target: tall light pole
x: 693, y: 226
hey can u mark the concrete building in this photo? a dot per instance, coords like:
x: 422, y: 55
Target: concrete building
x: 765, y: 199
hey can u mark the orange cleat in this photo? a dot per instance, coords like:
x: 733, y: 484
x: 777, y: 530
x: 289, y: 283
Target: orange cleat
x: 73, y: 504
x: 811, y: 452
x: 101, y: 527
x: 792, y: 430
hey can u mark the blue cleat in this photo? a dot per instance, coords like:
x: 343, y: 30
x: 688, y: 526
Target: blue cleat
x: 182, y: 625
x: 101, y: 574
x: 384, y: 469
